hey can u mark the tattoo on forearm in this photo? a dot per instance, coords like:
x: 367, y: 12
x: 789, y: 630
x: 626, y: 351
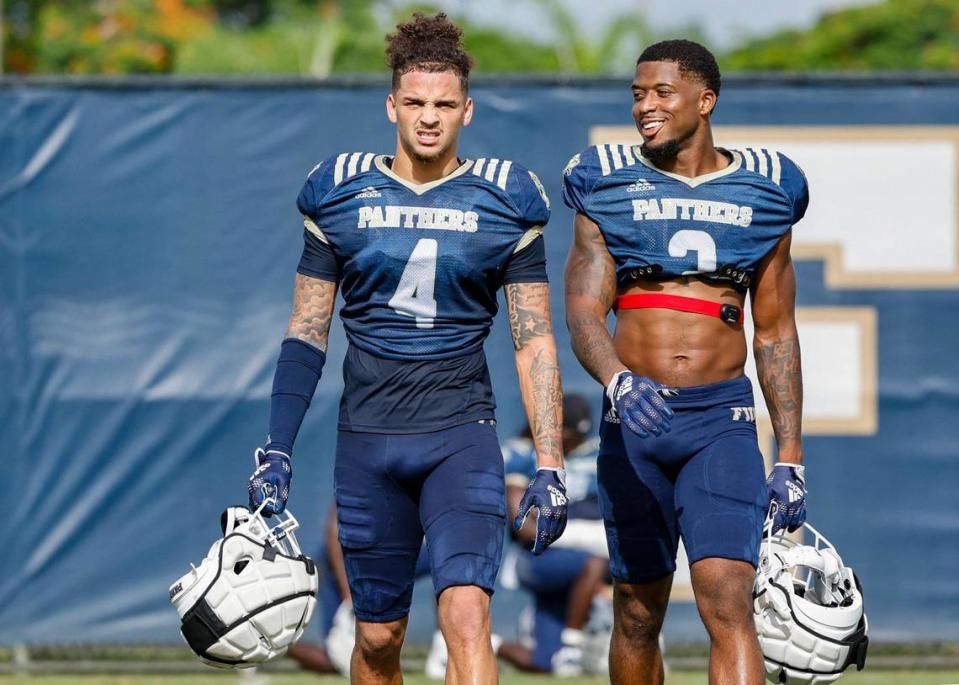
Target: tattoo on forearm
x: 528, y: 308
x: 779, y: 366
x: 592, y: 343
x: 590, y: 293
x: 547, y: 400
x: 590, y: 271
x: 312, y: 311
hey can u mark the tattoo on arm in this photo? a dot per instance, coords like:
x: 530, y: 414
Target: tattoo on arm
x: 528, y: 308
x: 778, y: 365
x: 546, y: 422
x: 312, y: 310
x: 590, y: 293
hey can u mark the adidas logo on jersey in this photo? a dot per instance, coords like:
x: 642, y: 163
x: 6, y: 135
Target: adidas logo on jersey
x: 640, y: 186
x: 368, y: 191
x: 610, y: 416
x: 744, y: 414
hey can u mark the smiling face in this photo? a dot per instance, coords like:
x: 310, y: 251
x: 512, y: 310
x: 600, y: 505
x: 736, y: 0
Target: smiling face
x: 671, y: 109
x: 429, y: 109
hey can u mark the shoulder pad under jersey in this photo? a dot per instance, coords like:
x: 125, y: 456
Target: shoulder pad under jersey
x: 782, y: 171
x: 586, y: 168
x: 525, y: 191
x: 323, y: 179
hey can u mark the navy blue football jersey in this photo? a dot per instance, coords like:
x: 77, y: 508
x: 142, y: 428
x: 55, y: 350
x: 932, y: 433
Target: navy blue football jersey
x: 659, y: 225
x: 420, y: 264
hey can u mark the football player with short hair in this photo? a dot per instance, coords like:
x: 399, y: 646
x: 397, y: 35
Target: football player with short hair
x: 418, y: 244
x: 674, y: 235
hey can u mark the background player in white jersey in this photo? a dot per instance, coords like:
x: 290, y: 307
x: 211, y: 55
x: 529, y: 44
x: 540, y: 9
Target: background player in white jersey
x: 674, y: 235
x: 418, y: 244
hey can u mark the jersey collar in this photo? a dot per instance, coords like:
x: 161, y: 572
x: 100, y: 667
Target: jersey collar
x: 696, y: 180
x: 420, y: 188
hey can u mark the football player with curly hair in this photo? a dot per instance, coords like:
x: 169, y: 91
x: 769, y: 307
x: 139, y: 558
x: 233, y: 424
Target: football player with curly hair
x: 418, y: 243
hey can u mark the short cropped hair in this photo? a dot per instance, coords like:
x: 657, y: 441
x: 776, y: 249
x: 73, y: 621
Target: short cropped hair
x: 693, y: 60
x: 430, y: 44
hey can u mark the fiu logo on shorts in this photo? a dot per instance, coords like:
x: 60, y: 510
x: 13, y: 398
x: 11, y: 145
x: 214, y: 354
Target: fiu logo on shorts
x: 744, y: 414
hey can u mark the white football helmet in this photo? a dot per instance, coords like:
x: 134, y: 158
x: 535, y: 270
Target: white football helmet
x: 253, y: 594
x: 808, y: 610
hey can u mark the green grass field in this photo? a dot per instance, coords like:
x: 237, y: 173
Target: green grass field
x: 678, y: 678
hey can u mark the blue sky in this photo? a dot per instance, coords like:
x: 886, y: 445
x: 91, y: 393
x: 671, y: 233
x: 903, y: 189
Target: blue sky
x: 724, y: 21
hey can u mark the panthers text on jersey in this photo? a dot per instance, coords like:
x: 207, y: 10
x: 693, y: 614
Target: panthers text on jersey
x: 418, y: 266
x: 659, y: 225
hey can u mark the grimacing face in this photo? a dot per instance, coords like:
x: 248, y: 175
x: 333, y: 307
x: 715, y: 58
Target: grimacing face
x: 668, y: 107
x: 429, y: 109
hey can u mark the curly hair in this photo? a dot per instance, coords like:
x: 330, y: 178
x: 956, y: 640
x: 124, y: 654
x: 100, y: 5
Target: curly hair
x: 693, y: 60
x: 430, y: 44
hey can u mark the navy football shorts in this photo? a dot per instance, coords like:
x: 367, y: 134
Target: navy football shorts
x: 392, y: 488
x: 704, y: 480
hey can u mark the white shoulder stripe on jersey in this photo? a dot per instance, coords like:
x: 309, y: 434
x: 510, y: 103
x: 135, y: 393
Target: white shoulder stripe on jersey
x: 749, y: 159
x: 603, y: 159
x: 491, y: 170
x: 367, y: 161
x: 503, y: 174
x: 528, y: 238
x: 614, y: 153
x: 763, y: 163
x: 311, y: 226
x: 338, y: 171
x: 777, y: 167
x: 478, y: 166
x: 354, y: 162
x: 628, y: 154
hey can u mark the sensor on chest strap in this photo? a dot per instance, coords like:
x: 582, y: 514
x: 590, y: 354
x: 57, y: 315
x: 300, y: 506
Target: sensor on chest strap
x: 730, y: 313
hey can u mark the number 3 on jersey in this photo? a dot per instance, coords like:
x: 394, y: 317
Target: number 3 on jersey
x: 414, y: 294
x: 689, y: 240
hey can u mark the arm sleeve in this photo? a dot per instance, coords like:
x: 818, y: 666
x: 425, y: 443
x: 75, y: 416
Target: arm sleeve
x: 318, y: 260
x: 528, y: 265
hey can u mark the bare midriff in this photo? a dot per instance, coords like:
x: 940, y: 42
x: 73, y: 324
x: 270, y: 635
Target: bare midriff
x: 681, y: 349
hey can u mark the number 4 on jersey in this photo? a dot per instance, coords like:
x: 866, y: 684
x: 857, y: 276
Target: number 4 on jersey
x: 414, y: 294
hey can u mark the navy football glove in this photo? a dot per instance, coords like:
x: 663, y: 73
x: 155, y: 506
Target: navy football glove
x: 270, y: 479
x: 639, y: 404
x: 547, y: 493
x: 787, y: 493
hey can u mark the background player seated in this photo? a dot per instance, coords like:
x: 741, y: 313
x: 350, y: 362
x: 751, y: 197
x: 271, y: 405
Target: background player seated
x: 566, y: 578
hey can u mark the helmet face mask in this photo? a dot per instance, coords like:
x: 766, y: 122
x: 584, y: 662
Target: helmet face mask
x: 251, y: 597
x: 808, y: 610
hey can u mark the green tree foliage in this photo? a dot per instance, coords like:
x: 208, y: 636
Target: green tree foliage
x: 100, y: 37
x: 896, y: 34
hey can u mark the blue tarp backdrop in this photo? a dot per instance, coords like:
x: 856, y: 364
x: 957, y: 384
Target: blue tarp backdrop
x: 148, y: 240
